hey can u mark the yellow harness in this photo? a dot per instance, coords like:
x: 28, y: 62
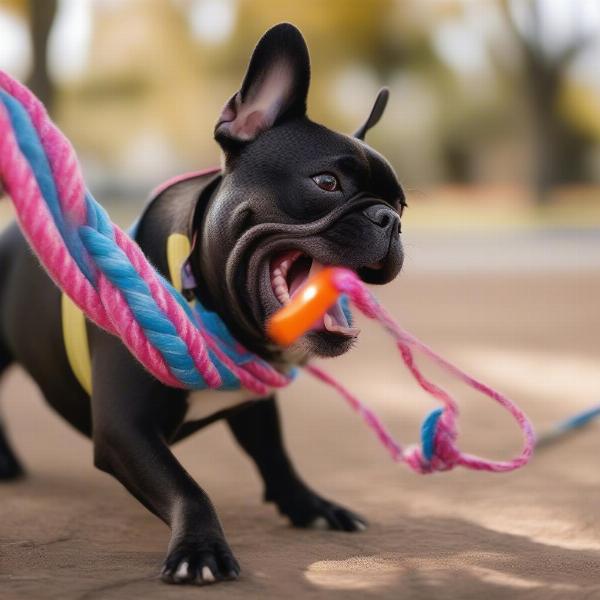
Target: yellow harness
x: 74, y: 323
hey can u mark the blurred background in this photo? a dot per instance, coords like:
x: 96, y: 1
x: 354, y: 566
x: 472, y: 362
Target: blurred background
x: 495, y: 104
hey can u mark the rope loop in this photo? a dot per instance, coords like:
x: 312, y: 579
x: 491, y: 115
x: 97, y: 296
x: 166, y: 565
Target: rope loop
x: 438, y: 451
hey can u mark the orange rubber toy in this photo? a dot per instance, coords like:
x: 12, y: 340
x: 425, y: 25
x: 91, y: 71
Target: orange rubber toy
x: 311, y: 302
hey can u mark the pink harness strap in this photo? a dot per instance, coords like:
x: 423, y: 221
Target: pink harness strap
x: 159, y: 189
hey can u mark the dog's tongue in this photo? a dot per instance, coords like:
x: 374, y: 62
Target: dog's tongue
x: 334, y: 319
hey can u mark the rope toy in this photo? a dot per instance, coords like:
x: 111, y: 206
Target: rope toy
x: 101, y: 268
x: 438, y: 451
x: 107, y: 275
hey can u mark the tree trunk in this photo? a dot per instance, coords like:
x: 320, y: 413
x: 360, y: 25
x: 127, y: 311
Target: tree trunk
x: 41, y: 17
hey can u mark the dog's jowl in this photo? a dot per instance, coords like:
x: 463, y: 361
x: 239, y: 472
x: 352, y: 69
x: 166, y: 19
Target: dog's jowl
x: 291, y: 197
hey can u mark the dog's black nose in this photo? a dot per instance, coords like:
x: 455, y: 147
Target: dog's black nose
x: 381, y: 215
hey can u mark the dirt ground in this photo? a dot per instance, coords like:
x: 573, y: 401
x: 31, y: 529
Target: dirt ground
x: 70, y: 532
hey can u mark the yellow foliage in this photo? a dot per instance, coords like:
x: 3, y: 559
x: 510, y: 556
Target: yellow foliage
x: 581, y: 106
x: 17, y: 6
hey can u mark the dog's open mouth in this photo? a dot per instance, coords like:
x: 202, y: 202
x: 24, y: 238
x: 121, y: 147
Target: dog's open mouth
x: 288, y: 272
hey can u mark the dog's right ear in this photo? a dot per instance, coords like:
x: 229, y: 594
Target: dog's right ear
x: 274, y: 88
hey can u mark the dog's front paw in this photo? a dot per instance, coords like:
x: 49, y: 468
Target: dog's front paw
x: 200, y: 563
x: 307, y: 509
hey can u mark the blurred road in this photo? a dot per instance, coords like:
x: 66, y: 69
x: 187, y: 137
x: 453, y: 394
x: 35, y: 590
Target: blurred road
x: 519, y: 310
x: 520, y: 251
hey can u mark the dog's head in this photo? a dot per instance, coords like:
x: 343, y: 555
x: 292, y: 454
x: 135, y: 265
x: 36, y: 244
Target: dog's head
x: 294, y: 196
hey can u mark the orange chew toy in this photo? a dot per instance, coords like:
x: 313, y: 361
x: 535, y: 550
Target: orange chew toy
x: 310, y: 303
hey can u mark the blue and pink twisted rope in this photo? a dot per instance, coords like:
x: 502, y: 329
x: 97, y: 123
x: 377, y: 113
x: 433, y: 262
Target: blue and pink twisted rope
x: 103, y: 270
x: 106, y: 274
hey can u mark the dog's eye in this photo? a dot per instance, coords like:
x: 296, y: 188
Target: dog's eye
x: 327, y: 182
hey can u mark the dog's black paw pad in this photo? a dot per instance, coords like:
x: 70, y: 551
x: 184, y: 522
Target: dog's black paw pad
x: 200, y: 564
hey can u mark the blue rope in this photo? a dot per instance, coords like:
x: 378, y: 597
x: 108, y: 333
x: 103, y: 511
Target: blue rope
x: 113, y: 262
x: 31, y: 147
x: 569, y: 425
x: 428, y: 430
x: 93, y: 246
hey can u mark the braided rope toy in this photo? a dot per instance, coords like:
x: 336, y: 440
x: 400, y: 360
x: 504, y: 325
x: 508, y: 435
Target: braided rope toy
x: 107, y: 275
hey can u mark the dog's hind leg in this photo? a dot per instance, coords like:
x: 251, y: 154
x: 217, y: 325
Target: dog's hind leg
x: 10, y: 468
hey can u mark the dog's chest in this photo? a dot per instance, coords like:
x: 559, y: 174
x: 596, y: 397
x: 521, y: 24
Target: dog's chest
x: 205, y: 403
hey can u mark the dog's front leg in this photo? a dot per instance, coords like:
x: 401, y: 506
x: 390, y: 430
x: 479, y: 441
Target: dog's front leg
x: 133, y: 416
x: 257, y: 428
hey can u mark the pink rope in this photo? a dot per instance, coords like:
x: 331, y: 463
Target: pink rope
x: 167, y: 303
x: 106, y: 307
x: 38, y: 226
x: 61, y: 155
x: 446, y: 454
x: 103, y: 303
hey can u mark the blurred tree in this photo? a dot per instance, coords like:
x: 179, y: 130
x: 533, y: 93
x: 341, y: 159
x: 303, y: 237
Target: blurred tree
x: 356, y: 46
x: 41, y: 17
x: 560, y: 146
x: 339, y: 33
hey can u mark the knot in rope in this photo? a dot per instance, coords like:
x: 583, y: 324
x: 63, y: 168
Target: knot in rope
x: 438, y: 451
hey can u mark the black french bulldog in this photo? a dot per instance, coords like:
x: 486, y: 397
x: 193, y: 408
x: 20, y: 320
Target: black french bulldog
x: 292, y: 196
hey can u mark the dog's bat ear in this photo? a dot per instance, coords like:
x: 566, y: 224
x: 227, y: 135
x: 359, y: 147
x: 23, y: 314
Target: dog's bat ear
x: 274, y: 88
x: 376, y: 113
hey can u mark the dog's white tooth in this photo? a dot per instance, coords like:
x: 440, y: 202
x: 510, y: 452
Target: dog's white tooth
x: 328, y: 321
x: 282, y: 295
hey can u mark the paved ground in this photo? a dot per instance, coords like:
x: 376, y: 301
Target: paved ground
x: 520, y: 311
